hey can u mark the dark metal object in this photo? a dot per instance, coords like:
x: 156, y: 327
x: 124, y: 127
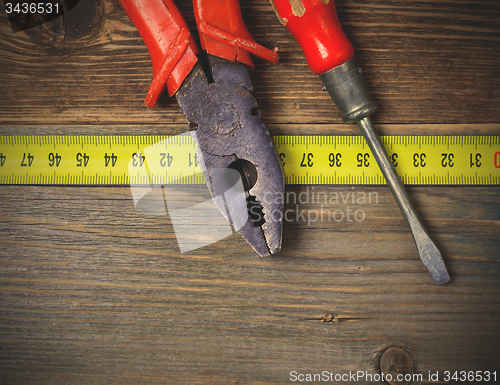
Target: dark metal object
x: 349, y: 92
x: 229, y: 129
x: 428, y: 251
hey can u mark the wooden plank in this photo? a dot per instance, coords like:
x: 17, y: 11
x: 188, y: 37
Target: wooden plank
x: 88, y: 282
x: 94, y: 291
x: 425, y: 62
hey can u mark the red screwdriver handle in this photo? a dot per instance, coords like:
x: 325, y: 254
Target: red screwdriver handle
x: 315, y: 25
x: 170, y: 44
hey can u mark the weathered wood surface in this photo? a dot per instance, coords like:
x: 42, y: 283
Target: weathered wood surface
x: 94, y: 292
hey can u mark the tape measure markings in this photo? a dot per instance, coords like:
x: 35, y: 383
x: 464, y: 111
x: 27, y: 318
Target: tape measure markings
x: 124, y: 160
x: 421, y: 160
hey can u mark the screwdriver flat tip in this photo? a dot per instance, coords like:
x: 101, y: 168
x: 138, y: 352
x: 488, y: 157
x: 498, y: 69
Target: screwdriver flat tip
x: 428, y: 251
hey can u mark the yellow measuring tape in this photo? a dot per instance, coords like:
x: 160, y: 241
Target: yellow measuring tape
x: 124, y: 160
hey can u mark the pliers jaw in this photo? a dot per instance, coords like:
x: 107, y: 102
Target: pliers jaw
x: 230, y: 136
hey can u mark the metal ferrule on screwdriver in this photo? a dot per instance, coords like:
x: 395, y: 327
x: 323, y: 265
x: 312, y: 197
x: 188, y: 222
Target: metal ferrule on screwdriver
x: 329, y: 54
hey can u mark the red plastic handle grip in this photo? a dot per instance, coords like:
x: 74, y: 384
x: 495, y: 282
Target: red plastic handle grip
x: 223, y: 32
x: 170, y: 44
x: 315, y: 25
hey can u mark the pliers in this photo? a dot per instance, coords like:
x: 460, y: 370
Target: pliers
x: 216, y: 99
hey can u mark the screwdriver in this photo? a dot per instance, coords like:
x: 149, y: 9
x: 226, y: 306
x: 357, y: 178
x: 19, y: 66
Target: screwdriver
x: 329, y: 54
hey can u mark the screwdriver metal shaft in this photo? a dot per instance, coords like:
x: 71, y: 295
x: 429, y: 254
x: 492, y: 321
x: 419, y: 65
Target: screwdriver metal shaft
x: 429, y: 253
x: 348, y: 90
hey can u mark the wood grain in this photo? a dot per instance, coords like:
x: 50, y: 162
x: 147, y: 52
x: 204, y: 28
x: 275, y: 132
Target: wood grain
x: 425, y: 62
x: 94, y: 292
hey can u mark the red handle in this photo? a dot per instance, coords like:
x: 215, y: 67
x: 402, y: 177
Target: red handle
x: 223, y: 32
x: 315, y: 25
x: 170, y: 44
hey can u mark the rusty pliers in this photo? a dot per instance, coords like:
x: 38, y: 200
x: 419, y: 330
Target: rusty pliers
x: 217, y: 101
